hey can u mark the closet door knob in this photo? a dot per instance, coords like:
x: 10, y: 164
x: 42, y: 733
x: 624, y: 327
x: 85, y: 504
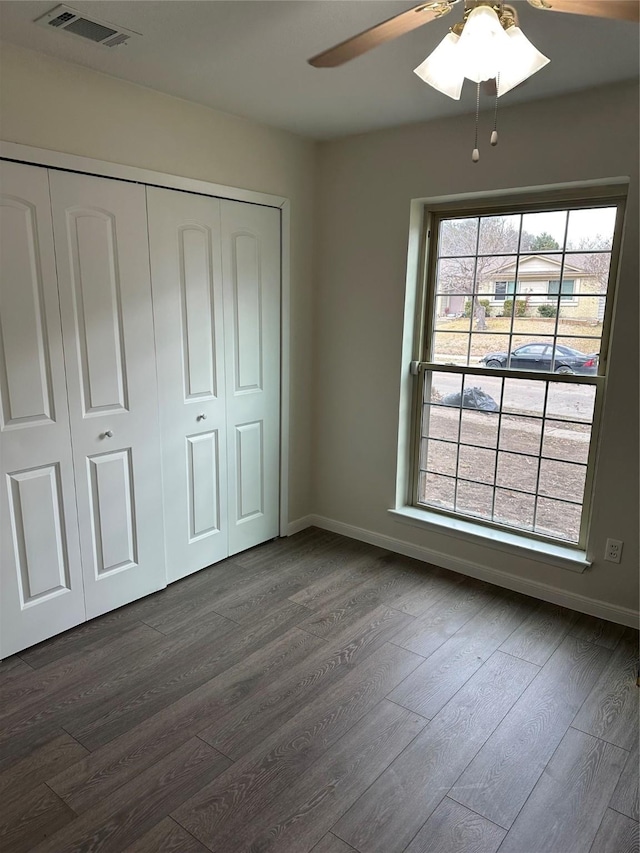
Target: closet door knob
x: 201, y: 417
x: 107, y: 434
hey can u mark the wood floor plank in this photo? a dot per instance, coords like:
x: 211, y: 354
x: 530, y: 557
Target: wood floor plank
x: 254, y: 780
x: 391, y: 812
x: 625, y: 796
x: 138, y: 806
x: 337, y: 613
x: 503, y: 774
x: 611, y: 710
x: 297, y: 819
x: 443, y: 673
x: 90, y: 698
x: 37, y: 814
x: 166, y: 837
x: 83, y: 638
x: 617, y: 834
x: 452, y: 828
x: 423, y: 586
x: 241, y: 729
x: 339, y: 582
x: 60, y: 752
x: 598, y: 631
x: 540, y: 634
x: 332, y: 844
x: 181, y: 673
x: 12, y: 667
x: 50, y: 683
x: 572, y: 795
x: 90, y: 780
x: 443, y: 619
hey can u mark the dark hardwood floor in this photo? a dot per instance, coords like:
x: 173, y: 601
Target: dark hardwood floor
x: 319, y: 694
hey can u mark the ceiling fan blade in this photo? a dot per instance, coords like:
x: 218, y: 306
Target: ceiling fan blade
x: 622, y: 10
x: 381, y: 33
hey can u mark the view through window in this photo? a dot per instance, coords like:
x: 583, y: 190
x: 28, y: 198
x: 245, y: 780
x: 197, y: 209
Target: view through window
x: 513, y: 365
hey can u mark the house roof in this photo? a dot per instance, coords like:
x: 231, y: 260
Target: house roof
x: 539, y: 264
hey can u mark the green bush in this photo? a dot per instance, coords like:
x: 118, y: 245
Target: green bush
x: 521, y: 308
x: 486, y: 304
x: 547, y: 310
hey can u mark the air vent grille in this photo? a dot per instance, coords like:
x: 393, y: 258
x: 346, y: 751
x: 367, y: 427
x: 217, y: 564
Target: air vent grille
x: 71, y: 21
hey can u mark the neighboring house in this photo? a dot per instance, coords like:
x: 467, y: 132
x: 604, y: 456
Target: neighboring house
x: 539, y: 283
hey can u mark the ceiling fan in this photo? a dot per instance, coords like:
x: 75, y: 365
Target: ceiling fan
x: 424, y: 13
x: 487, y: 46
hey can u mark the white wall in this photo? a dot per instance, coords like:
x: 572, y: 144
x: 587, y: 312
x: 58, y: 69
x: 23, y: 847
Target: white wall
x: 51, y: 104
x: 365, y: 185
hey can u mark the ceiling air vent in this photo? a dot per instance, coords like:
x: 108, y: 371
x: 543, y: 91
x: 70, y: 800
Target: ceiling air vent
x: 71, y: 21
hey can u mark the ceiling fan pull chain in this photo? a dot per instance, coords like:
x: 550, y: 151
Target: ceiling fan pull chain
x: 476, y: 154
x: 494, y: 132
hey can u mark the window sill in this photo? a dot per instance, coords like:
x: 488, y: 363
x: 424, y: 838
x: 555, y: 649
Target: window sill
x: 562, y: 556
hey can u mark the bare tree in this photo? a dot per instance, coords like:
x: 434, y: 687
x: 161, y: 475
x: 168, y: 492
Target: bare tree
x: 462, y: 271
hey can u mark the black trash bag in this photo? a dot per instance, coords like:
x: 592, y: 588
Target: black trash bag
x: 473, y: 398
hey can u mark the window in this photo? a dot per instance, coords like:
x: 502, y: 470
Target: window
x: 508, y: 394
x: 566, y: 291
x: 502, y: 288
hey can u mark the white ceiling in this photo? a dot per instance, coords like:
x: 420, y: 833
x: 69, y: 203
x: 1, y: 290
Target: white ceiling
x: 248, y: 57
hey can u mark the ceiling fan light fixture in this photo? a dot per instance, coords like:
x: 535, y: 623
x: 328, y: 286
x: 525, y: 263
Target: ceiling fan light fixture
x: 523, y: 60
x: 483, y: 45
x: 442, y: 69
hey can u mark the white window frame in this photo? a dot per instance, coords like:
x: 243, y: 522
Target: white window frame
x: 611, y: 192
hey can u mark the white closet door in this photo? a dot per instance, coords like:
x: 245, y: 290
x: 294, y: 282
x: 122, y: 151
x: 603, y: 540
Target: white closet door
x: 102, y: 254
x: 251, y: 275
x: 41, y: 576
x: 186, y: 275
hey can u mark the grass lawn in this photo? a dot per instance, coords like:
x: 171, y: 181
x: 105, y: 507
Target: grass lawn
x: 525, y: 330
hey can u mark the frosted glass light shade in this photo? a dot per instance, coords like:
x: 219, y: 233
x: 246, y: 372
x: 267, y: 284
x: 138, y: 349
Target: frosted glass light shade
x: 442, y: 68
x: 483, y: 45
x: 522, y: 60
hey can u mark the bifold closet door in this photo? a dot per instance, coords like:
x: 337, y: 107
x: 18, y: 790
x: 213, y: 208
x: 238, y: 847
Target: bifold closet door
x: 186, y: 274
x: 41, y: 575
x: 102, y: 256
x: 251, y: 280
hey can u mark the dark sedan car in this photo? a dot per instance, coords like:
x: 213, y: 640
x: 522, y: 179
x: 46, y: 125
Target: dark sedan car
x: 544, y: 357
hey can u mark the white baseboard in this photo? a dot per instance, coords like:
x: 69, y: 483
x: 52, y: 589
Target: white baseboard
x: 300, y: 524
x: 546, y: 592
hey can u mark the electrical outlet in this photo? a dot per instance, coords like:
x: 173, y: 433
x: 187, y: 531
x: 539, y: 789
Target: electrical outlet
x: 613, y: 550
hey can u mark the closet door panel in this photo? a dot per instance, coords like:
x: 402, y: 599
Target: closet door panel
x: 40, y: 575
x: 251, y: 274
x: 101, y: 238
x: 184, y: 232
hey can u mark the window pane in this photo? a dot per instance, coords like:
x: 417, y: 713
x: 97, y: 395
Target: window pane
x: 517, y: 472
x: 474, y: 499
x: 456, y: 275
x: 477, y: 464
x: 571, y: 402
x: 558, y: 519
x: 479, y: 428
x: 458, y: 237
x: 514, y: 508
x: 562, y: 480
x: 566, y: 441
x: 522, y: 396
x: 441, y: 422
x: 452, y: 313
x: 591, y: 228
x: 438, y: 387
x: 545, y: 231
x: 437, y: 491
x: 450, y: 348
x: 499, y: 234
x: 577, y: 355
x: 582, y: 317
x: 440, y: 457
x: 521, y: 435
